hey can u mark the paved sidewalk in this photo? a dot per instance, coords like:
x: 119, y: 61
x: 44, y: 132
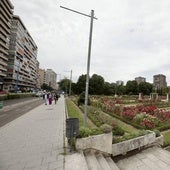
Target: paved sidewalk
x: 35, y: 140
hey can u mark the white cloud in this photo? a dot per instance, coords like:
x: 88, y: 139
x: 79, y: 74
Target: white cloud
x: 130, y: 38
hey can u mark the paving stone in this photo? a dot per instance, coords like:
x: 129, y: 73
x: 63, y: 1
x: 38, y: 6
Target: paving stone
x: 154, y: 158
x: 34, y: 140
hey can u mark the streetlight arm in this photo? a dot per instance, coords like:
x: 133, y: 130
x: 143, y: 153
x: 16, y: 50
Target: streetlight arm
x: 77, y: 12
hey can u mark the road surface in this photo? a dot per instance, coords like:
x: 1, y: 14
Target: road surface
x: 15, y: 108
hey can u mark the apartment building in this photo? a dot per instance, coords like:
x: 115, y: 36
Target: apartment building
x: 119, y: 82
x: 42, y: 76
x: 140, y: 79
x: 38, y: 81
x: 22, y: 62
x: 51, y: 78
x: 159, y: 81
x: 6, y: 12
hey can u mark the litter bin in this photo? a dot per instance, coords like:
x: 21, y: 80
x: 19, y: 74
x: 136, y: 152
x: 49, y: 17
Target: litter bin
x: 1, y: 104
x: 72, y: 127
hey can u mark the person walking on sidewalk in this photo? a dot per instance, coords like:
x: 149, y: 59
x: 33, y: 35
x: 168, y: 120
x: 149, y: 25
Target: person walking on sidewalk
x: 50, y: 98
x: 45, y: 98
x: 55, y: 98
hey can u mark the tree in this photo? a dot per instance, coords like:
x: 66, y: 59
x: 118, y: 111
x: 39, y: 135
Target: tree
x: 64, y: 85
x: 81, y: 84
x: 46, y: 87
x: 145, y: 88
x: 132, y: 87
x: 108, y: 89
x: 121, y: 90
x: 96, y: 84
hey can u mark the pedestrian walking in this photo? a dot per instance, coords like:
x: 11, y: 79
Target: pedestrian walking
x: 55, y: 98
x: 50, y: 99
x: 45, y: 98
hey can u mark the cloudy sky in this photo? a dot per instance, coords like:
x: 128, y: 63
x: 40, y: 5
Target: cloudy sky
x: 131, y: 38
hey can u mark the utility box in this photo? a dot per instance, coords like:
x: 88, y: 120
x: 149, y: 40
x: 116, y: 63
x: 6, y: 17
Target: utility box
x: 1, y: 104
x: 72, y: 127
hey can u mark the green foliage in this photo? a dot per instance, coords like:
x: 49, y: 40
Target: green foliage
x: 75, y: 112
x: 64, y: 85
x: 94, y: 116
x: 81, y: 99
x: 96, y: 131
x: 166, y: 137
x: 15, y: 96
x: 81, y: 84
x: 84, y: 132
x: 3, y: 97
x: 128, y: 136
x: 46, y: 87
x: 132, y: 87
x: 117, y: 130
x: 96, y: 84
x: 157, y: 132
x: 145, y: 88
x: 164, y: 127
x: 105, y: 128
x: 139, y: 117
x: 109, y: 89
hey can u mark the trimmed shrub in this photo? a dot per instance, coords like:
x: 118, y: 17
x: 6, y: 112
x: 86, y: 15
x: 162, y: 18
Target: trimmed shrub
x: 96, y: 131
x: 117, y: 130
x: 105, y: 128
x: 84, y: 132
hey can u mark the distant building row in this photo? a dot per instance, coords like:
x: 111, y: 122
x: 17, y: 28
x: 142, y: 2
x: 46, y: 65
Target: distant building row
x: 159, y: 81
x: 19, y: 67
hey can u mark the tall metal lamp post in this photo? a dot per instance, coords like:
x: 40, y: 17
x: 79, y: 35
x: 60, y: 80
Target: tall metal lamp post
x: 70, y: 82
x: 69, y: 92
x: 88, y: 60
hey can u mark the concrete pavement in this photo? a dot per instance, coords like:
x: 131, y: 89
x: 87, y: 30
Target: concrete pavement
x: 35, y: 140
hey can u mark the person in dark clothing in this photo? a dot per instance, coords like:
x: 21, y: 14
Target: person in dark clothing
x: 55, y: 98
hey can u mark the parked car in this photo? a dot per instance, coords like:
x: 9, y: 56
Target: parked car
x: 39, y: 94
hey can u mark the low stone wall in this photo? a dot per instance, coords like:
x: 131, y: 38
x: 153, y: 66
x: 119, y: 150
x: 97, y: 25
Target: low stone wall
x: 159, y: 140
x: 101, y: 142
x: 125, y: 146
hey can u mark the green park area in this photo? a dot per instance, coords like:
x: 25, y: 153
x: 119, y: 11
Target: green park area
x: 127, y: 116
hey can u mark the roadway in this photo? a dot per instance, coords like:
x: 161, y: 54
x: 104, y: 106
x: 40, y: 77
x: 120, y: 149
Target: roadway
x: 17, y: 107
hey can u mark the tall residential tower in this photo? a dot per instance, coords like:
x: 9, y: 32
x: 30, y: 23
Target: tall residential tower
x: 6, y: 12
x: 22, y: 62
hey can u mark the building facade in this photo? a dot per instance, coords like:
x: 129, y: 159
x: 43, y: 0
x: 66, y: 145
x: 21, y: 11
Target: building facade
x: 42, y: 76
x: 119, y: 82
x: 140, y: 79
x: 159, y: 81
x: 22, y: 61
x: 6, y: 13
x: 51, y: 78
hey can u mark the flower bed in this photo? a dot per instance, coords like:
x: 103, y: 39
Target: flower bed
x: 145, y: 116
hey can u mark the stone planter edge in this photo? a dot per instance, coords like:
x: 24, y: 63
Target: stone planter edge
x: 129, y: 145
x: 102, y: 142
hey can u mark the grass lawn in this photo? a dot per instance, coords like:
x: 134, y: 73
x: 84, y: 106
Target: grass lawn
x: 126, y: 127
x: 75, y: 112
x: 166, y: 136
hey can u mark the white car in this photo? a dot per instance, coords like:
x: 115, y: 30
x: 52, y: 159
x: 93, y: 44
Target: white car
x: 39, y: 94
